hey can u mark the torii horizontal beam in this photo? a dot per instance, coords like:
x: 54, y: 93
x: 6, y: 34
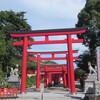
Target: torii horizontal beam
x: 55, y: 70
x: 49, y: 32
x: 52, y: 52
x: 55, y: 58
x: 52, y: 55
x: 47, y: 42
x: 53, y: 65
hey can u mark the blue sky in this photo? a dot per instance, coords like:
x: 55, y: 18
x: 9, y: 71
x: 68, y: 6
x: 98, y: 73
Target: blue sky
x: 48, y: 14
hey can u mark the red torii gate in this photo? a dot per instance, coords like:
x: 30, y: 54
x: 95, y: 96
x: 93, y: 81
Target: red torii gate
x: 59, y: 70
x: 50, y: 58
x: 46, y: 34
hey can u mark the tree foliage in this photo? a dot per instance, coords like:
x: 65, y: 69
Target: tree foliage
x: 10, y: 21
x: 79, y: 72
x: 82, y: 61
x: 32, y: 65
x: 90, y: 16
x: 1, y: 77
x: 30, y: 81
x: 49, y: 62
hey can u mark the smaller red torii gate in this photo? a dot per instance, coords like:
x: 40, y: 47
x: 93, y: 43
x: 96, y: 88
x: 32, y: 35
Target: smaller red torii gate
x: 54, y: 70
x: 39, y: 59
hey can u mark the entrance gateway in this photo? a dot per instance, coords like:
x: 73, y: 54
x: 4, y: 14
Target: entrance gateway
x: 46, y: 33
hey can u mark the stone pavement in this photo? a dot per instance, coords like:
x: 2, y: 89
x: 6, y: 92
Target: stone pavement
x: 49, y: 96
x: 52, y: 93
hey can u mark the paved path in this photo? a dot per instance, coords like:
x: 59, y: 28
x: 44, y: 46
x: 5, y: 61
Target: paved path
x: 49, y: 96
x: 53, y: 93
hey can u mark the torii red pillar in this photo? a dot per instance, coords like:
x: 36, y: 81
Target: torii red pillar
x: 64, y: 78
x: 49, y: 79
x: 45, y: 79
x: 24, y: 65
x: 68, y: 73
x: 38, y: 71
x: 70, y: 56
x: 55, y: 79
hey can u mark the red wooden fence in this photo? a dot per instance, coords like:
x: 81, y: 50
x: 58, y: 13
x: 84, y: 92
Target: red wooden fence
x: 8, y: 92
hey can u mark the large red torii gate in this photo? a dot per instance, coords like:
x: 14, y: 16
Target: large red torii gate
x: 46, y: 34
x: 39, y: 59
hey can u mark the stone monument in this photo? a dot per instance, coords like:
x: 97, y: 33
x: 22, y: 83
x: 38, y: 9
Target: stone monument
x: 92, y: 84
x: 98, y: 62
x: 92, y: 77
x: 91, y: 69
x: 14, y: 77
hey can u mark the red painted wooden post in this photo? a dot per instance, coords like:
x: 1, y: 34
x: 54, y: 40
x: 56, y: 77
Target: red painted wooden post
x: 45, y: 81
x: 68, y: 72
x: 68, y: 68
x: 50, y: 79
x: 65, y: 82
x: 45, y: 77
x: 38, y: 72
x: 70, y: 56
x: 64, y: 78
x: 59, y: 78
x: 24, y: 65
x: 55, y: 80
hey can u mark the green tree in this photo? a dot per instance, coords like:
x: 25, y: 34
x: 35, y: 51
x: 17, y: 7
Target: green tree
x: 32, y: 65
x: 90, y: 16
x: 10, y: 21
x: 83, y: 60
x: 48, y: 62
x: 79, y: 72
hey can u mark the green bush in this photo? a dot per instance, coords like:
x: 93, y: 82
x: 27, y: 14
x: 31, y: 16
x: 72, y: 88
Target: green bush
x: 30, y: 81
x: 1, y: 77
x: 79, y: 72
x: 6, y: 85
x: 3, y: 84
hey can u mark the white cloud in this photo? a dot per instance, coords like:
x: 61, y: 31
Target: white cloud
x: 55, y: 8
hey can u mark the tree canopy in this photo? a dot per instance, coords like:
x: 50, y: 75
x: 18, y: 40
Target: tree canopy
x: 90, y: 16
x: 82, y: 61
x: 48, y: 62
x: 10, y: 21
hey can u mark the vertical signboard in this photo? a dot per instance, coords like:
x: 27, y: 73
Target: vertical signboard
x: 98, y: 63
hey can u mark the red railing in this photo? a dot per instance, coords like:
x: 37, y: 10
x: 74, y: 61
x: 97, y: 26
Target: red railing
x: 8, y: 92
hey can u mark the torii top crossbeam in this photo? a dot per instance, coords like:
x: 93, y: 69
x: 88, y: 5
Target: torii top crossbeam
x: 49, y: 32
